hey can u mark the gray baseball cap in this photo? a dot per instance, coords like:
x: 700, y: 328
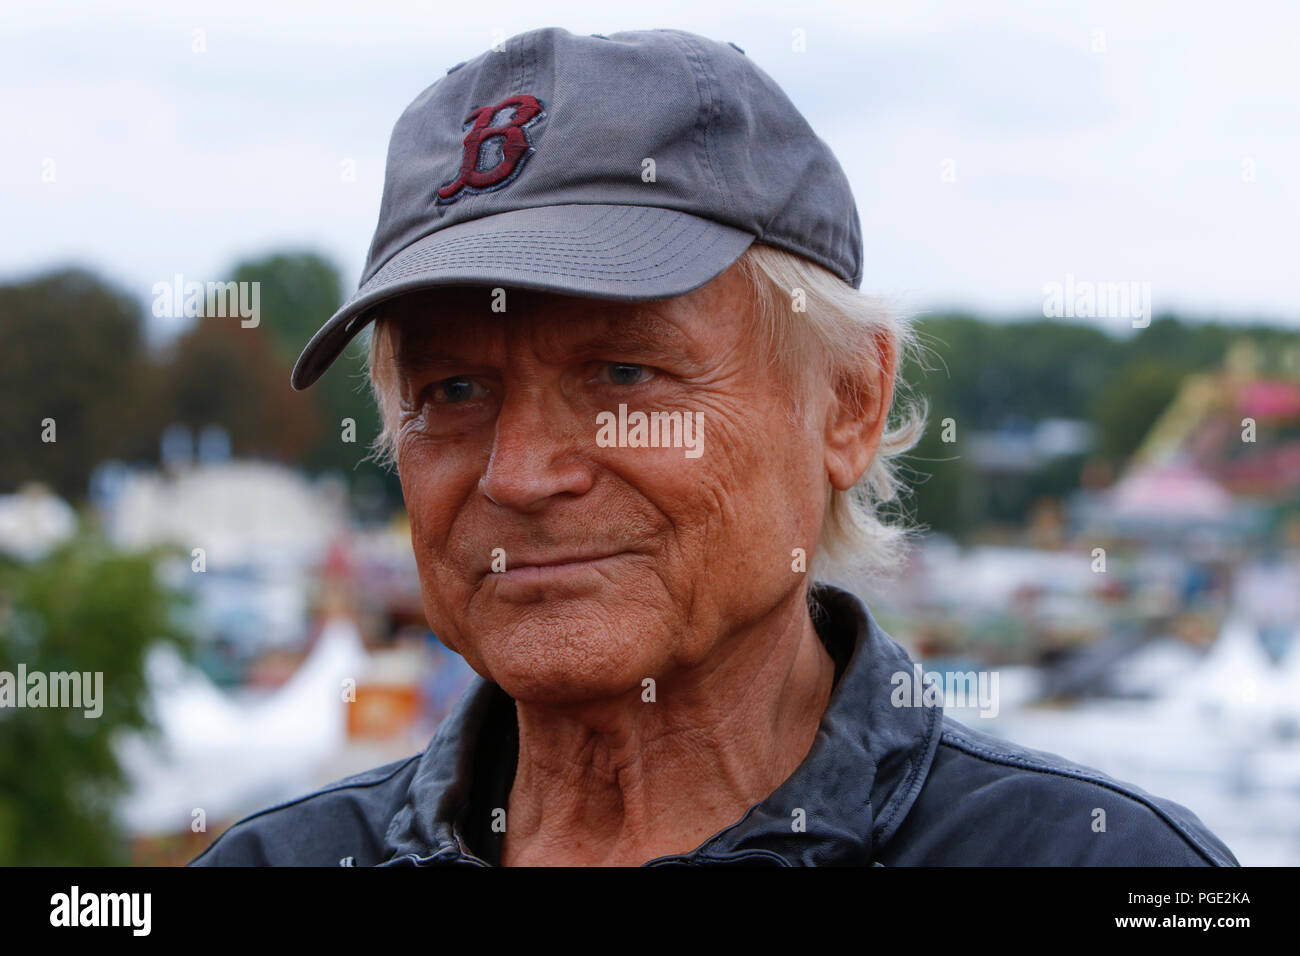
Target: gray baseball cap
x: 634, y: 166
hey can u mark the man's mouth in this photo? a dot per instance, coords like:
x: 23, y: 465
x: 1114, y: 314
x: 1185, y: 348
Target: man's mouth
x: 549, y: 571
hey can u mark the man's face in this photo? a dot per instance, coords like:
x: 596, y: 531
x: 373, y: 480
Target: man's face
x: 621, y: 563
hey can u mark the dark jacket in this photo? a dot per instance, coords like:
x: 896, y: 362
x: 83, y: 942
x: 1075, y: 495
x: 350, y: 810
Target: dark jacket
x: 883, y: 785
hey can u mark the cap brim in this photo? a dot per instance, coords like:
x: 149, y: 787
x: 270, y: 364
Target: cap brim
x: 628, y: 253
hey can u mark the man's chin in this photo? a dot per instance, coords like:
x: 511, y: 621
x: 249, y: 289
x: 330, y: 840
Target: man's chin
x: 569, y: 659
x: 557, y: 684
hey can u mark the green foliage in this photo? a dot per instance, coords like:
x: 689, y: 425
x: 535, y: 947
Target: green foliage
x: 81, y: 608
x: 984, y: 373
x: 71, y: 349
x: 936, y: 476
x: 990, y: 375
x: 299, y: 291
x: 224, y: 374
x: 1125, y: 411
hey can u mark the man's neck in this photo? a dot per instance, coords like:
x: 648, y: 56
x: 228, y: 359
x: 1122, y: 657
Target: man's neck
x: 623, y: 782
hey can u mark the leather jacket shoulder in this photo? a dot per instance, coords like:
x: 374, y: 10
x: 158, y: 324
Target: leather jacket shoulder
x: 988, y: 802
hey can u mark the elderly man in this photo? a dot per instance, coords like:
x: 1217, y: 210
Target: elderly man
x: 636, y: 400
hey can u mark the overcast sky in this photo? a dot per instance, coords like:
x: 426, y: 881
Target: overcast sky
x: 1172, y: 156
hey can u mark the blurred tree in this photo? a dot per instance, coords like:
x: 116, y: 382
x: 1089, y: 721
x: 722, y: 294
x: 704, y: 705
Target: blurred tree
x: 299, y: 291
x: 223, y: 374
x: 936, y: 476
x: 81, y: 608
x: 1181, y: 345
x: 984, y: 376
x: 71, y: 350
x: 990, y: 372
x: 1127, y: 407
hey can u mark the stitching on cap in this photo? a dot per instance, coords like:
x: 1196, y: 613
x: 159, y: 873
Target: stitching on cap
x: 388, y: 260
x: 577, y: 273
x: 701, y: 116
x: 502, y: 247
x: 508, y: 244
x: 547, y: 234
x: 581, y: 268
x: 715, y: 114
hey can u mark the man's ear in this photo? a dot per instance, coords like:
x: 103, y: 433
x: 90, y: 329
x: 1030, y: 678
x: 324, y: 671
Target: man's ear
x: 856, y: 418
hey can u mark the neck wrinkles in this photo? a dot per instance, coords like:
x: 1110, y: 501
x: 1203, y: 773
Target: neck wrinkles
x: 630, y: 780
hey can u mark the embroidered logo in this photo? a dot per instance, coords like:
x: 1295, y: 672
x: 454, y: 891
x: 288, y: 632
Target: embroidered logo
x: 494, y: 154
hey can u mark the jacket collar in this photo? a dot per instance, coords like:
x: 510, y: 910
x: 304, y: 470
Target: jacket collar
x: 850, y: 794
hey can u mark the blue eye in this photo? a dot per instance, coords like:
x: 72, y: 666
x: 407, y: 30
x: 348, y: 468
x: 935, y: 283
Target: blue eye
x: 625, y: 373
x: 453, y: 391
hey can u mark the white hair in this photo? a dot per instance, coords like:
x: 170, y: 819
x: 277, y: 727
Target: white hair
x: 814, y: 324
x: 843, y: 334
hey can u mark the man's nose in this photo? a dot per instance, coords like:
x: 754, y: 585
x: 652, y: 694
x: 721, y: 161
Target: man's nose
x: 536, y: 452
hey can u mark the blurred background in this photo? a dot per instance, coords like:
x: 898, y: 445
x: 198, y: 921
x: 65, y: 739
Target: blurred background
x: 1110, y: 490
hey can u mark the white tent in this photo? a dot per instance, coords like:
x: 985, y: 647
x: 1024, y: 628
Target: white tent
x: 226, y: 756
